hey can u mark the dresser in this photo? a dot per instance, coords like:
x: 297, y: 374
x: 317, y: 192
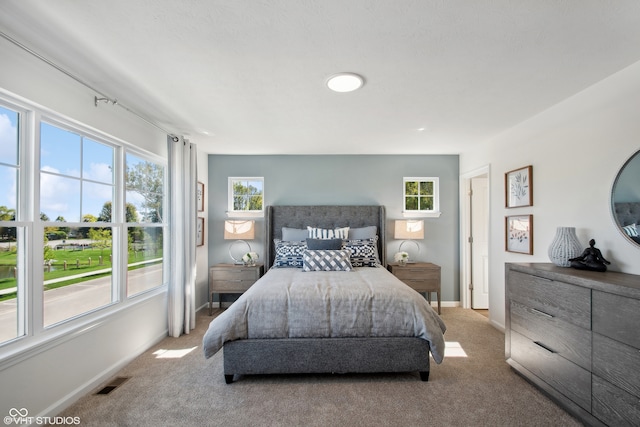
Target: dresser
x: 576, y: 335
x: 423, y: 277
x: 231, y: 279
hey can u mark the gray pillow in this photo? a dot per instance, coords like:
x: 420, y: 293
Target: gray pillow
x: 294, y: 234
x: 324, y: 244
x: 363, y: 232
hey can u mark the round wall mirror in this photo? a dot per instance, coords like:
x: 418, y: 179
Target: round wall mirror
x: 625, y: 199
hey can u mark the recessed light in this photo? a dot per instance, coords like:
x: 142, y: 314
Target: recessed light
x: 345, y: 82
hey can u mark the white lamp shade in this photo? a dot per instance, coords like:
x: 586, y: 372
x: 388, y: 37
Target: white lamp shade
x: 239, y: 230
x: 409, y: 229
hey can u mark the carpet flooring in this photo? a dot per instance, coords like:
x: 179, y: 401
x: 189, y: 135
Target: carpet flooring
x: 173, y: 384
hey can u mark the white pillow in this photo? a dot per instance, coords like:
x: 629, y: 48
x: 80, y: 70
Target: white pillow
x: 324, y: 233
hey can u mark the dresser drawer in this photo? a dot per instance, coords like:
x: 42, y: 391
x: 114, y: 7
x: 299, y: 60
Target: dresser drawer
x: 617, y: 363
x: 564, y: 376
x: 562, y: 300
x: 617, y: 317
x: 613, y: 406
x: 567, y: 340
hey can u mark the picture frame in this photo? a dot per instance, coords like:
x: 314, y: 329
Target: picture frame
x: 519, y: 234
x: 200, y: 232
x: 518, y: 187
x: 200, y: 196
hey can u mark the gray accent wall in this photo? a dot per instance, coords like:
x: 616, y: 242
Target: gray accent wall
x: 344, y: 180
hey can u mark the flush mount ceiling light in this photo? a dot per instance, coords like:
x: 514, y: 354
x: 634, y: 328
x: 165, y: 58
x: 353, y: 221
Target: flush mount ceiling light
x: 345, y: 82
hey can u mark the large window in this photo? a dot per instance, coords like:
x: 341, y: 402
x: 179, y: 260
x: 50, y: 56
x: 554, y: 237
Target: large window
x: 11, y: 236
x: 81, y: 222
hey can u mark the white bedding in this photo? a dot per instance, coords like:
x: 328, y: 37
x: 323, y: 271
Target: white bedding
x: 292, y: 303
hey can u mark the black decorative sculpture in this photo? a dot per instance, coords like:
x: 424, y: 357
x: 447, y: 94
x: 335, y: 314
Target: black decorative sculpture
x: 590, y: 259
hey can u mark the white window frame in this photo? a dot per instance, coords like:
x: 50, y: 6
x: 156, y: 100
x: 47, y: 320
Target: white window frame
x: 418, y: 213
x: 231, y: 212
x: 33, y: 337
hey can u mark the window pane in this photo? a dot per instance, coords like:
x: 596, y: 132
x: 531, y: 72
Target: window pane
x: 94, y: 199
x: 60, y: 197
x: 9, y: 276
x: 426, y: 188
x: 59, y: 150
x: 8, y: 136
x: 8, y: 195
x: 426, y: 203
x: 145, y: 186
x: 411, y: 188
x: 77, y: 277
x: 145, y: 259
x: 411, y: 203
x: 97, y: 162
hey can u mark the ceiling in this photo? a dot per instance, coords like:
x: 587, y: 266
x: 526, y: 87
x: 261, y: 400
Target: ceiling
x: 248, y: 77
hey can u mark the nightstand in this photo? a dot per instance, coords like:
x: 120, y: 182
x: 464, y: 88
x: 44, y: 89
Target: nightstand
x: 423, y: 277
x: 231, y: 279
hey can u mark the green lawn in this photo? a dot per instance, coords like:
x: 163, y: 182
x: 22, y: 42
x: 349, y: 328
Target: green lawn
x: 77, y: 262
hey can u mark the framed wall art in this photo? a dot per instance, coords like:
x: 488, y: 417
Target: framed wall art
x: 518, y: 187
x: 200, y: 232
x: 200, y: 196
x: 519, y: 234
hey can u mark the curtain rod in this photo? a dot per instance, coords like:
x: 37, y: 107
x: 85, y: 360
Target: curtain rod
x: 85, y: 84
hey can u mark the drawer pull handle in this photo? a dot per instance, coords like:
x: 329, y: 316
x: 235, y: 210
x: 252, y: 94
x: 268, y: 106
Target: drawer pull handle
x: 539, y: 344
x: 543, y: 278
x: 542, y: 313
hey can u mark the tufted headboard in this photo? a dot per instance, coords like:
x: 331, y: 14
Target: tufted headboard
x: 627, y: 213
x: 355, y: 216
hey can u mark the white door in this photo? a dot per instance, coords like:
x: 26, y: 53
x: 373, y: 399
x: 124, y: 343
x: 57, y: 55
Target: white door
x: 480, y: 243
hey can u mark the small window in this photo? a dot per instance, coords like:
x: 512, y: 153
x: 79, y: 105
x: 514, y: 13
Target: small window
x: 246, y: 195
x: 421, y: 196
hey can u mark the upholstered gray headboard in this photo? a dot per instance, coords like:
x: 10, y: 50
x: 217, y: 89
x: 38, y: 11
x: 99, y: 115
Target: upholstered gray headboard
x: 355, y: 216
x: 627, y: 213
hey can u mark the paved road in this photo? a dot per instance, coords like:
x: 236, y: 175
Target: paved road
x: 69, y: 301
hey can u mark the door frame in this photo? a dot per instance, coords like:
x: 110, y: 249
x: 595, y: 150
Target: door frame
x: 465, y: 228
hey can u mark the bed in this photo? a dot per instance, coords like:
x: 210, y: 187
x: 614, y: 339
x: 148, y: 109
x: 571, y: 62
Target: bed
x: 362, y: 320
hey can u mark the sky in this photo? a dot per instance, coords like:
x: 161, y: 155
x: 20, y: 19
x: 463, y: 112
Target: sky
x: 76, y: 175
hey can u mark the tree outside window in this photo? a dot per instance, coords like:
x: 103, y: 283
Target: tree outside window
x: 246, y: 195
x: 420, y: 195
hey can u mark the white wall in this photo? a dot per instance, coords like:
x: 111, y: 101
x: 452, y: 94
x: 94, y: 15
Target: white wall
x: 48, y: 378
x: 576, y: 149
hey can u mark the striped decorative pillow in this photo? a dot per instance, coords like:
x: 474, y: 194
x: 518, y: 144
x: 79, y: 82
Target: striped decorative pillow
x: 324, y: 233
x: 326, y: 260
x: 631, y: 230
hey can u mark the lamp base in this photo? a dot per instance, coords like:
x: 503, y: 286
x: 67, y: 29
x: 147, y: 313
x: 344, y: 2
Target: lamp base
x: 238, y: 259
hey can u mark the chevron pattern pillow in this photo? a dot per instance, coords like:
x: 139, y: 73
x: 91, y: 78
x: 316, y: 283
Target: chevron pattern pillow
x: 326, y: 260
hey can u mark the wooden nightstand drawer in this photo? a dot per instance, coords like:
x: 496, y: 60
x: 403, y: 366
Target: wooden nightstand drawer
x: 234, y: 274
x: 231, y: 279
